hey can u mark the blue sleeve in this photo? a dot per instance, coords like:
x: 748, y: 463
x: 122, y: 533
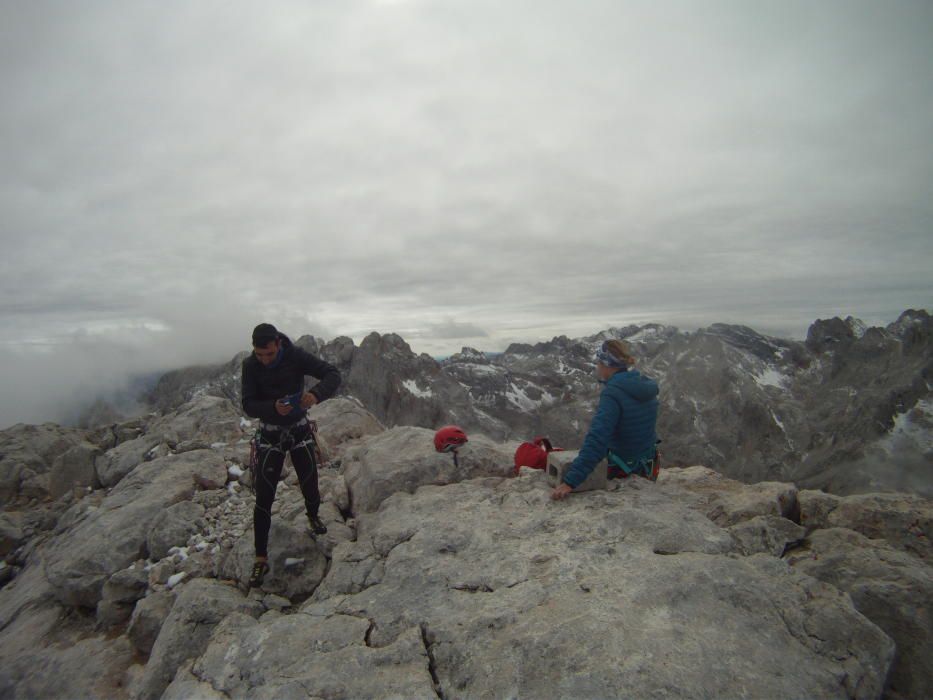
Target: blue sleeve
x: 596, y: 443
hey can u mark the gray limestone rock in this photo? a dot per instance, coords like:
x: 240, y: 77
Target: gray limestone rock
x: 11, y: 532
x: 209, y: 419
x: 330, y: 657
x: 91, y: 667
x: 402, y: 459
x: 173, y: 526
x: 44, y: 654
x: 114, y: 464
x: 891, y: 588
x: 120, y: 594
x: 148, y: 615
x: 519, y: 596
x: 333, y: 488
x: 341, y: 420
x: 767, y: 534
x: 904, y: 521
x: 186, y: 686
x: 199, y: 608
x: 297, y: 562
x: 127, y: 585
x: 726, y: 501
x: 75, y: 467
x: 110, y: 614
x: 401, y: 387
x: 114, y: 535
x: 26, y: 456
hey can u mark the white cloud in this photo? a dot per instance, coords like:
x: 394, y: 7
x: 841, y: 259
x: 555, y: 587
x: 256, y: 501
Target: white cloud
x: 520, y: 168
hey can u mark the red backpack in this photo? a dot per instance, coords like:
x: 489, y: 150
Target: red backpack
x: 534, y: 454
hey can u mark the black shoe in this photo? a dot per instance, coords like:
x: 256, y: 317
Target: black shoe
x: 317, y: 525
x: 260, y: 569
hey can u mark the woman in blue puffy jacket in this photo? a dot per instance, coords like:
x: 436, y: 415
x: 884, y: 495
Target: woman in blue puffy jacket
x: 624, y: 425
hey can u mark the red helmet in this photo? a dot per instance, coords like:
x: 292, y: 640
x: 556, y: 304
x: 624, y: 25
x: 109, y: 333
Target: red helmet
x: 449, y: 438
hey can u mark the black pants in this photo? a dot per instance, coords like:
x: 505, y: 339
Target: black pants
x: 272, y: 449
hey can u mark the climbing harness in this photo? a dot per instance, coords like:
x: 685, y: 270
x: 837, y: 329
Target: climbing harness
x: 648, y: 465
x: 261, y: 446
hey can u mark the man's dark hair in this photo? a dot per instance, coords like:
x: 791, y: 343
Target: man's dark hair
x: 263, y: 334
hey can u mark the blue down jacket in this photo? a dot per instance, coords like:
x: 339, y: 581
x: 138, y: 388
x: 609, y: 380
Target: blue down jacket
x: 624, y: 423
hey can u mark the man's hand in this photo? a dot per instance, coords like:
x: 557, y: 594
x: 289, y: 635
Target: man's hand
x: 308, y: 399
x: 561, y: 492
x: 282, y: 408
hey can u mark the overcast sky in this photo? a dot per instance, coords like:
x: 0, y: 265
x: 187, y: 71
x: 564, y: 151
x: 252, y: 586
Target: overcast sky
x: 462, y: 173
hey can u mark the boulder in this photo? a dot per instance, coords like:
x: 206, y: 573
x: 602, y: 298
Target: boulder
x: 173, y: 526
x: 120, y: 594
x: 129, y: 430
x: 146, y: 622
x: 110, y: 614
x: 905, y: 521
x: 767, y: 534
x: 891, y: 588
x: 28, y: 610
x: 726, y: 501
x: 114, y: 464
x: 210, y: 419
x: 44, y: 652
x: 11, y: 532
x: 34, y: 486
x: 199, y: 608
x: 341, y: 420
x: 78, y: 512
x: 333, y: 488
x: 127, y: 585
x: 26, y: 455
x: 402, y: 459
x: 74, y: 467
x: 114, y: 535
x: 80, y: 668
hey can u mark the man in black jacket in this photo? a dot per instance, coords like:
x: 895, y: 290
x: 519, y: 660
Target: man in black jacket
x: 273, y: 392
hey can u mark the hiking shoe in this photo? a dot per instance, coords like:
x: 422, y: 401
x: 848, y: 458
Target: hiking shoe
x: 260, y: 569
x: 317, y: 525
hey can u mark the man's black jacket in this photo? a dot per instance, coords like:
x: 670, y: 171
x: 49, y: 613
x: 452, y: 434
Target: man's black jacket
x: 263, y: 386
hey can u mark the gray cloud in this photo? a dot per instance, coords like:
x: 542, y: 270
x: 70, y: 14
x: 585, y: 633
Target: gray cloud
x: 449, y: 330
x: 522, y: 168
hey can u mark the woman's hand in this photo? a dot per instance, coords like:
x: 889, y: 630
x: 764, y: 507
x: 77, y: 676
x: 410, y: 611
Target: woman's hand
x: 282, y: 408
x: 561, y: 492
x: 308, y: 399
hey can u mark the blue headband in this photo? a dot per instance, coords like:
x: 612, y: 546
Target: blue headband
x: 605, y: 357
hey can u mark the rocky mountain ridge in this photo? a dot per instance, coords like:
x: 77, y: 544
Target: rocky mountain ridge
x: 439, y: 579
x: 849, y: 410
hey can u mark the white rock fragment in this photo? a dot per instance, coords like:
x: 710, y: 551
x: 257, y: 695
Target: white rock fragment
x: 180, y: 552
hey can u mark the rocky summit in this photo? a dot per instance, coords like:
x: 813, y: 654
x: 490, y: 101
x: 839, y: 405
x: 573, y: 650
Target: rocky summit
x: 848, y: 410
x: 127, y: 547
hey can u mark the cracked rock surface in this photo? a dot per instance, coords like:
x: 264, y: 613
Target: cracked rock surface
x: 489, y: 589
